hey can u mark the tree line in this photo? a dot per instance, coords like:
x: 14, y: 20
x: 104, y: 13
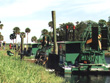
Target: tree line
x: 16, y: 31
x: 79, y: 29
x: 60, y: 31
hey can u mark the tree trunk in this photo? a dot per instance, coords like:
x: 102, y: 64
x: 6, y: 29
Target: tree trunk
x: 13, y: 44
x: 27, y: 38
x: 22, y: 48
x: 0, y: 45
x: 16, y: 38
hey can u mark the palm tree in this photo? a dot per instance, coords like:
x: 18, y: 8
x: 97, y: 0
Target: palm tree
x: 22, y: 35
x: 16, y: 30
x: 12, y: 37
x: 51, y: 26
x: 27, y: 30
x: 1, y: 26
x: 1, y: 38
x: 102, y: 22
x: 44, y: 31
x: 34, y: 39
x: 77, y: 22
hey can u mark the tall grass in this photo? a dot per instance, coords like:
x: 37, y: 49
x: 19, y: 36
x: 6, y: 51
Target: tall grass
x: 13, y: 70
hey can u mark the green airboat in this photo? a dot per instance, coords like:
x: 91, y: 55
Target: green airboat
x: 84, y: 56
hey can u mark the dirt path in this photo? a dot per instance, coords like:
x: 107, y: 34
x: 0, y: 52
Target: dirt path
x: 30, y: 60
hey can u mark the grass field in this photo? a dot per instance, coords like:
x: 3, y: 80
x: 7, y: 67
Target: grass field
x: 13, y: 70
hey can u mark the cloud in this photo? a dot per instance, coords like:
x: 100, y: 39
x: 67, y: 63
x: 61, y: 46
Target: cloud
x: 28, y: 7
x: 20, y: 8
x: 74, y: 10
x: 23, y: 7
x: 95, y: 7
x: 36, y: 14
x: 87, y: 6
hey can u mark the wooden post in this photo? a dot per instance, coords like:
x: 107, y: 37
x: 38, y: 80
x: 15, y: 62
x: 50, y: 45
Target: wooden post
x: 54, y: 31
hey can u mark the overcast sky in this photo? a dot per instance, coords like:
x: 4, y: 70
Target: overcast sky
x: 36, y: 14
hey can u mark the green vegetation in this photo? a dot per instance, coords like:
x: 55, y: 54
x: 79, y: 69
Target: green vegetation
x: 1, y: 25
x: 13, y: 70
x: 34, y: 39
x: 79, y: 28
x: 1, y: 38
x: 27, y: 30
x: 16, y: 31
